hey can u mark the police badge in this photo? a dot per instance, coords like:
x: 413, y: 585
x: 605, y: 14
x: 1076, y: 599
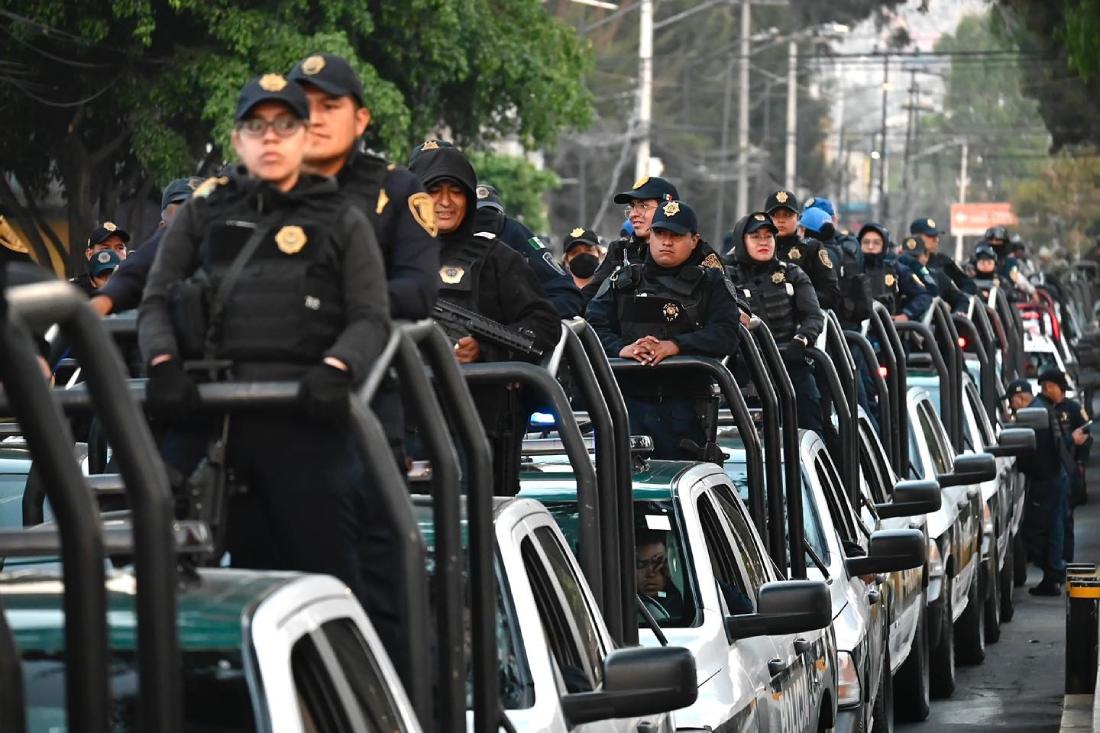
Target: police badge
x: 451, y: 275
x: 290, y: 239
x: 672, y: 208
x: 313, y: 65
x: 890, y: 279
x: 110, y: 226
x: 578, y: 232
x: 778, y: 277
x: 671, y: 312
x: 273, y: 82
x: 781, y: 197
x: 794, y: 254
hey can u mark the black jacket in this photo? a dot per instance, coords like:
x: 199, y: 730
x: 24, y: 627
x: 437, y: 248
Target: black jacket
x: 125, y: 286
x: 814, y: 259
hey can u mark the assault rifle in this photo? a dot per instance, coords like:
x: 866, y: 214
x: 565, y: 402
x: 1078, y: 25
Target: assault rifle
x: 459, y: 322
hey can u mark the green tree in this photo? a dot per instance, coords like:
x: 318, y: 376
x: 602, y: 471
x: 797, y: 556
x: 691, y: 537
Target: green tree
x: 1060, y: 202
x: 521, y: 184
x: 107, y: 100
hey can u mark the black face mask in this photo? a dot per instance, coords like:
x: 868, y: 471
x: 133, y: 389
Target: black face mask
x: 584, y: 265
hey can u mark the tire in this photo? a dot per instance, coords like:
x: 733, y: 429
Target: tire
x: 970, y: 636
x: 884, y: 700
x: 992, y: 604
x: 942, y: 658
x: 1019, y: 567
x: 1008, y: 604
x: 912, y: 680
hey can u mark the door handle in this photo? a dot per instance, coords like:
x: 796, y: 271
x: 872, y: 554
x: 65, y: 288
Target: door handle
x: 646, y: 727
x: 873, y: 596
x: 801, y: 645
x: 777, y: 667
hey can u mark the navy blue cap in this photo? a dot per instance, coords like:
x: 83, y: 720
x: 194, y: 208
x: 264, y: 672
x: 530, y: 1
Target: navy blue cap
x: 103, y: 261
x: 580, y: 235
x: 814, y: 220
x: 781, y: 200
x: 107, y: 229
x: 924, y: 226
x: 1017, y: 386
x: 676, y: 217
x: 429, y: 144
x: 648, y: 188
x: 489, y: 197
x: 178, y: 191
x: 913, y: 246
x: 819, y: 202
x: 759, y: 220
x: 331, y: 74
x: 272, y: 88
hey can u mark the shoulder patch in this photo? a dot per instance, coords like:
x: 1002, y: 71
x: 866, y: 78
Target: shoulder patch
x: 423, y: 211
x: 207, y: 187
x: 823, y: 255
x: 536, y: 244
x: 383, y: 199
x: 712, y: 262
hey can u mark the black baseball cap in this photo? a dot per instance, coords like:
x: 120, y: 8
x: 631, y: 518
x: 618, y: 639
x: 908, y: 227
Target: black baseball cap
x: 781, y: 200
x: 759, y: 220
x: 675, y: 216
x: 331, y: 74
x: 1054, y: 375
x: 488, y: 197
x: 924, y: 226
x: 913, y: 246
x: 429, y: 144
x: 648, y: 187
x: 1017, y: 386
x: 103, y: 262
x: 107, y: 229
x: 580, y: 235
x: 272, y: 88
x: 178, y: 191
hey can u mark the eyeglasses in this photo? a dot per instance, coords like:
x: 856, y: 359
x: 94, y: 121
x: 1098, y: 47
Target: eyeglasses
x: 655, y: 565
x: 638, y: 206
x: 284, y: 126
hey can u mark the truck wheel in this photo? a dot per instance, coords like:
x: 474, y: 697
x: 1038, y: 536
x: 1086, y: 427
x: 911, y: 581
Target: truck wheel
x: 1008, y: 605
x: 942, y: 680
x: 970, y: 636
x: 992, y: 605
x: 912, y: 678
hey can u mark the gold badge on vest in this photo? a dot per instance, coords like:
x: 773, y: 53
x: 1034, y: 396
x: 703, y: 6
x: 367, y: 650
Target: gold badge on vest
x: 890, y: 279
x: 671, y: 311
x: 794, y: 253
x: 290, y: 239
x: 451, y: 275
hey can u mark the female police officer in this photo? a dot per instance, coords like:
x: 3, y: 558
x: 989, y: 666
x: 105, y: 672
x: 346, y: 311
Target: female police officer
x: 309, y: 305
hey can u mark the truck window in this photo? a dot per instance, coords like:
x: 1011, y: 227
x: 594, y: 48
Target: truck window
x: 732, y: 587
x: 364, y: 675
x: 931, y: 436
x: 319, y: 700
x: 661, y: 569
x: 874, y: 466
x: 985, y: 428
x: 745, y: 542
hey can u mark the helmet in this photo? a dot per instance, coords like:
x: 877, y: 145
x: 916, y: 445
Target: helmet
x: 997, y: 233
x: 985, y: 251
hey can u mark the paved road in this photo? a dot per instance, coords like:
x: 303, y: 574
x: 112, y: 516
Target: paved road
x: 1019, y: 687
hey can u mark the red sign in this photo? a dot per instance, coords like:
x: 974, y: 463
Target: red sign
x: 971, y: 219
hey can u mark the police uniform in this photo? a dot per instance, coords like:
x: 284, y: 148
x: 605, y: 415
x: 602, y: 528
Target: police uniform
x: 936, y: 282
x: 891, y: 282
x: 941, y: 262
x: 480, y: 273
x: 630, y: 249
x: 690, y: 304
x: 809, y: 254
x: 781, y: 294
x: 560, y: 290
x: 99, y: 235
x: 985, y: 282
x: 314, y: 289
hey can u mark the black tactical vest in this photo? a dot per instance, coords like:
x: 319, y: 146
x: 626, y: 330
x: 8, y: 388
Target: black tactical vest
x: 770, y: 295
x: 460, y: 270
x: 882, y: 285
x: 287, y: 305
x: 661, y: 306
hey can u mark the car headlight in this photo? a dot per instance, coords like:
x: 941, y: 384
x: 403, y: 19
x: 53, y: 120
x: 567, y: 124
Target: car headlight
x: 935, y: 560
x: 848, y: 690
x: 987, y: 519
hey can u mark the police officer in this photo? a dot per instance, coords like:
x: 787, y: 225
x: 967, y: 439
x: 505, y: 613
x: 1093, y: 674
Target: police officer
x: 309, y: 305
x: 102, y: 268
x: 1018, y: 393
x: 1075, y: 436
x: 915, y: 257
x: 480, y: 273
x: 106, y: 236
x: 1010, y: 272
x: 781, y: 294
x: 841, y: 242
x: 926, y: 229
x: 123, y: 290
x: 806, y: 252
x: 581, y: 254
x: 559, y: 287
x: 666, y: 305
x: 640, y: 205
x: 888, y: 281
x: 986, y: 275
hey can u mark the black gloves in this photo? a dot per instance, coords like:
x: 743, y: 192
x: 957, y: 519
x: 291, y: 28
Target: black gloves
x: 170, y: 394
x: 793, y: 352
x: 324, y: 393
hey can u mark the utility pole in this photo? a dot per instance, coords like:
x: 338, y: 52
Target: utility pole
x: 727, y: 102
x: 792, y: 114
x: 884, y: 206
x: 645, y: 87
x: 910, y: 119
x: 743, y: 112
x: 962, y: 194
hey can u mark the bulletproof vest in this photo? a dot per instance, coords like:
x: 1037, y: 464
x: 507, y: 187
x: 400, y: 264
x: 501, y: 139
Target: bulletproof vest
x: 770, y: 295
x: 661, y: 306
x: 287, y: 305
x: 460, y: 270
x: 881, y: 282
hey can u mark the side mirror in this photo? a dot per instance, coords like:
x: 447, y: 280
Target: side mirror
x: 910, y: 499
x: 1035, y: 418
x: 637, y: 681
x: 970, y: 469
x: 785, y: 607
x: 890, y: 550
x: 1014, y: 442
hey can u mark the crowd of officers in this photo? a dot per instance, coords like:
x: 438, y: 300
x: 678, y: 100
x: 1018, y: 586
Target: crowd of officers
x: 292, y: 265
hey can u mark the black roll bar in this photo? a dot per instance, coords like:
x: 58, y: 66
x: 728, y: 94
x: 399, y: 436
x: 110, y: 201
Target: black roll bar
x: 887, y: 428
x: 791, y: 456
x: 160, y: 701
x: 938, y: 363
x: 11, y: 672
x: 892, y: 356
x: 623, y: 482
x: 842, y: 383
x: 944, y: 328
x: 87, y: 693
x: 987, y: 378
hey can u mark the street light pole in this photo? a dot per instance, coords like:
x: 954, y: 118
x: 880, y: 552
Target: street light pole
x: 743, y: 112
x: 792, y: 114
x: 645, y: 88
x: 883, y: 205
x: 962, y: 195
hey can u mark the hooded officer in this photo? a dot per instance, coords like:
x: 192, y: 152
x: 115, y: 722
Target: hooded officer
x: 781, y: 294
x: 929, y: 234
x: 915, y: 257
x: 581, y: 254
x: 666, y: 305
x: 480, y: 273
x: 806, y: 251
x: 639, y: 205
x: 1009, y: 269
x: 985, y: 264
x: 309, y: 305
x: 888, y: 281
